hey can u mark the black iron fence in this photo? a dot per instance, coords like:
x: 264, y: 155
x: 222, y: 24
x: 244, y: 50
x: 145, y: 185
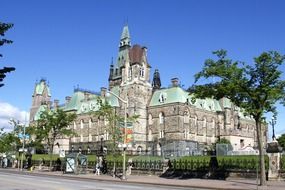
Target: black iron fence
x: 202, y: 163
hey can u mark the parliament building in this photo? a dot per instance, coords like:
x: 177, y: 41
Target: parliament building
x: 169, y: 122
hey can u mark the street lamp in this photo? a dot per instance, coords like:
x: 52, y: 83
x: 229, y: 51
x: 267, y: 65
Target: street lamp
x: 23, y: 147
x: 273, y: 122
x: 125, y: 128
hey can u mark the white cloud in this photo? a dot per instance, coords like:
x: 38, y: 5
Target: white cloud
x: 7, y: 112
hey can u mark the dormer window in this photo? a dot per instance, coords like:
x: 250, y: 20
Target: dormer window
x: 162, y: 97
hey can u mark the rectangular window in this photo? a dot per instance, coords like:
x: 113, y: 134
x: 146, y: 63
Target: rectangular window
x: 241, y: 143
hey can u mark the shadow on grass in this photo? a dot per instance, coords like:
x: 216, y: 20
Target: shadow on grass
x: 199, y: 173
x: 211, y: 172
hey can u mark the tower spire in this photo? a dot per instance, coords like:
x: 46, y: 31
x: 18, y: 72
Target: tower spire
x: 125, y: 40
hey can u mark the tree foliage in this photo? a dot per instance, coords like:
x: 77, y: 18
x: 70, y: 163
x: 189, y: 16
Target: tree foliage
x: 256, y: 88
x: 52, y: 125
x: 4, y: 27
x: 281, y: 141
x: 107, y: 113
x: 223, y: 141
x: 9, y: 141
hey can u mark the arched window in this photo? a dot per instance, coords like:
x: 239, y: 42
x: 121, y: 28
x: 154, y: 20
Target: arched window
x: 99, y: 123
x: 195, y: 121
x: 204, y: 122
x: 186, y: 116
x: 214, y: 127
x: 161, y: 134
x: 161, y: 118
x: 74, y: 125
x: 150, y: 135
x: 106, y: 121
x: 90, y: 123
x: 185, y: 134
x: 89, y: 138
x: 142, y: 72
x: 130, y: 73
x: 150, y: 121
x: 232, y: 123
x: 81, y: 123
x: 139, y: 149
x: 106, y: 135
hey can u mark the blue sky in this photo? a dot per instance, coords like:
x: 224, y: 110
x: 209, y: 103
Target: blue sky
x: 72, y: 42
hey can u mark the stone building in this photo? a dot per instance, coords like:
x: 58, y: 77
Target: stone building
x: 169, y: 122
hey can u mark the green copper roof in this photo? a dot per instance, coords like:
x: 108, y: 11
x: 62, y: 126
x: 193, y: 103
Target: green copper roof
x: 41, y: 109
x: 113, y: 101
x: 80, y: 105
x: 178, y: 95
x: 227, y: 103
x: 125, y: 33
x: 75, y: 101
x: 40, y: 87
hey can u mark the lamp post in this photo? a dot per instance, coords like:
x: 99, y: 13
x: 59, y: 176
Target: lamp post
x: 273, y: 122
x: 23, y: 147
x: 125, y: 129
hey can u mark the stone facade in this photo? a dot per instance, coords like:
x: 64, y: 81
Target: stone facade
x: 166, y: 115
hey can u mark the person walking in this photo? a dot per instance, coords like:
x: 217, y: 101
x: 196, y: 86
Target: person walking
x: 97, y: 169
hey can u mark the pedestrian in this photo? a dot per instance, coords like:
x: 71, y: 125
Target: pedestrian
x: 58, y: 165
x: 169, y: 165
x: 104, y: 166
x: 97, y: 169
x: 42, y: 161
x: 5, y: 162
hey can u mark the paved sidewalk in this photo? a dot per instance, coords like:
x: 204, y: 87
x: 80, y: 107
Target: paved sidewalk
x: 229, y: 184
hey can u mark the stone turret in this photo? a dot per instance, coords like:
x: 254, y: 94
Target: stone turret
x: 41, y: 96
x: 156, y: 83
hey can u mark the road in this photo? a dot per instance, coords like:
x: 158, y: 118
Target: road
x: 21, y: 181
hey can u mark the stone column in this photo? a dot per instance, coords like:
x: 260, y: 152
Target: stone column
x: 273, y: 150
x: 274, y: 166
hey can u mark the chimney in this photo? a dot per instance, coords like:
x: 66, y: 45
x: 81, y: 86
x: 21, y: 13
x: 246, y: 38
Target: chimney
x: 103, y: 91
x: 48, y: 103
x: 175, y: 82
x: 67, y: 99
x: 145, y: 50
x: 86, y: 95
x: 55, y: 103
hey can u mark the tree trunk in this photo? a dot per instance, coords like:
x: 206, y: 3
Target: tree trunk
x: 50, y: 157
x: 259, y: 135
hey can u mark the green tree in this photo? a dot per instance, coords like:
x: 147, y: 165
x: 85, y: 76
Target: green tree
x: 281, y: 141
x: 6, y: 140
x: 9, y: 142
x: 52, y: 125
x: 3, y: 28
x: 107, y: 113
x: 256, y: 88
x: 223, y: 141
